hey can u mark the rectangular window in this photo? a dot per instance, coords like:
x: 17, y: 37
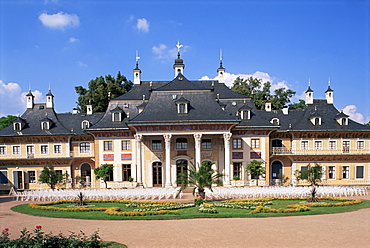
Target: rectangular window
x: 156, y: 145
x: 304, y: 172
x: 206, y: 144
x: 44, y: 149
x: 57, y: 149
x: 2, y: 150
x: 181, y: 143
x: 360, y: 145
x: 255, y: 143
x: 126, y: 145
x: 237, y: 169
x: 126, y: 171
x: 345, y: 172
x: 108, y: 146
x: 332, y: 145
x: 16, y: 150
x: 359, y: 172
x: 4, y: 177
x: 345, y: 146
x: 304, y: 145
x: 31, y: 176
x: 30, y: 150
x: 237, y: 143
x: 331, y: 172
x: 318, y: 145
x: 85, y: 147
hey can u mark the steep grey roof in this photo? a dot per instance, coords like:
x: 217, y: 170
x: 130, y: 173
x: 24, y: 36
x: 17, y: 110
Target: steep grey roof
x: 62, y: 124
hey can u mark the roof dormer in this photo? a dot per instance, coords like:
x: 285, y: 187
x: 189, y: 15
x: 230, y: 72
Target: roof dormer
x: 117, y: 114
x: 46, y: 123
x: 19, y: 124
x: 141, y: 107
x: 342, y: 119
x: 85, y: 124
x: 315, y: 118
x: 182, y: 106
x: 245, y: 112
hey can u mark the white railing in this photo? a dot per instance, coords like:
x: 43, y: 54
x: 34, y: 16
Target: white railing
x: 290, y: 151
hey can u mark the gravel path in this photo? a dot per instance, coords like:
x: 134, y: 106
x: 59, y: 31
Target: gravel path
x: 333, y: 230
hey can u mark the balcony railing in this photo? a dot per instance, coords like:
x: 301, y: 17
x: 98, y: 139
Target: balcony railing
x: 290, y: 151
x: 48, y: 155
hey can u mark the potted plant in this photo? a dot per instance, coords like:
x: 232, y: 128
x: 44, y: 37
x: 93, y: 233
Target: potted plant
x: 201, y: 178
x: 130, y: 179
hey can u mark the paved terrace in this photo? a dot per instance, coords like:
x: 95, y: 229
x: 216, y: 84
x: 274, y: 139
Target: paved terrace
x: 333, y: 230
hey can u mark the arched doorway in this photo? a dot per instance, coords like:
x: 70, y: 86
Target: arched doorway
x: 181, y: 166
x: 85, y: 172
x: 157, y: 174
x: 276, y: 170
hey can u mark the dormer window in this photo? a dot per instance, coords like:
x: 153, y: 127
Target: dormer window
x: 17, y: 126
x: 182, y: 106
x: 344, y: 121
x: 45, y: 125
x: 117, y: 114
x: 85, y: 124
x: 316, y: 121
x: 246, y: 114
x: 275, y: 121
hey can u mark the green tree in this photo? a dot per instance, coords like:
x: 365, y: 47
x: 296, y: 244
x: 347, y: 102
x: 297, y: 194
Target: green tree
x: 368, y: 124
x: 312, y: 174
x: 100, y: 90
x: 261, y: 92
x: 103, y: 172
x: 7, y: 120
x: 256, y: 170
x: 299, y: 105
x: 201, y: 178
x: 51, y: 177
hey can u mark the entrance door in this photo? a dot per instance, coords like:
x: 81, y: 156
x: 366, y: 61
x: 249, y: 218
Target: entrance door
x: 18, y: 179
x: 86, y: 173
x: 181, y: 166
x: 157, y: 174
x: 277, y: 168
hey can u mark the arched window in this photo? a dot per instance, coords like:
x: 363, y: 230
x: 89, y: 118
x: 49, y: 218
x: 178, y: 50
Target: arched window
x: 85, y: 124
x: 45, y: 125
x: 181, y: 143
x: 17, y: 126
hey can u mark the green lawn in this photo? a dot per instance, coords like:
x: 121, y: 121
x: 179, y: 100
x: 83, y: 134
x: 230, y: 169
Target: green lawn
x: 187, y: 213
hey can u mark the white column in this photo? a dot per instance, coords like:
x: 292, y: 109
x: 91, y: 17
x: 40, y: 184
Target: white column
x: 167, y: 140
x: 139, y: 179
x: 227, y: 137
x: 197, y: 138
x: 294, y: 168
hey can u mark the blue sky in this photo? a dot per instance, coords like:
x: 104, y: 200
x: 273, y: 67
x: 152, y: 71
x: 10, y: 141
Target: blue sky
x: 67, y: 43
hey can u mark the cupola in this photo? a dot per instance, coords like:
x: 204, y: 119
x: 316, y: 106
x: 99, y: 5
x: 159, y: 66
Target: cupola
x: 49, y: 100
x: 179, y: 63
x: 137, y: 71
x: 309, y: 94
x: 329, y: 94
x: 30, y: 100
x: 221, y: 71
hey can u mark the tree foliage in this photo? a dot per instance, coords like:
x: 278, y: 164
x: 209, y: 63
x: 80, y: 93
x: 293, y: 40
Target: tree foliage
x: 256, y: 169
x: 201, y: 178
x: 103, y: 172
x: 50, y: 177
x: 313, y: 174
x: 100, y: 90
x: 261, y: 92
x: 298, y: 105
x: 7, y: 120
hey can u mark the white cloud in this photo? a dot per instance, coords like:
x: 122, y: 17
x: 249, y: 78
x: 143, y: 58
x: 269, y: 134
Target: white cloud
x: 351, y: 110
x: 73, y: 40
x: 13, y: 100
x: 82, y: 64
x: 143, y: 25
x: 165, y: 54
x: 60, y: 20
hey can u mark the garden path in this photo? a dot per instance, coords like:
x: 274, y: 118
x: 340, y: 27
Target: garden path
x: 333, y: 230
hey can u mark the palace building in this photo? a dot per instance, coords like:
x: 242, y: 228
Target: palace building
x: 154, y: 131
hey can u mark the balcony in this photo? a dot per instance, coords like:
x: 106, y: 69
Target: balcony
x: 289, y: 151
x: 48, y: 155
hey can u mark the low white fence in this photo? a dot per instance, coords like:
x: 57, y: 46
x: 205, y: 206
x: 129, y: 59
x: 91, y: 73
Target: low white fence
x: 285, y: 192
x: 96, y: 194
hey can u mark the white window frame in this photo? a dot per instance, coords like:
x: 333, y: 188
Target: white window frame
x: 30, y: 151
x: 360, y: 147
x: 85, y: 124
x: 47, y: 149
x: 108, y: 142
x: 305, y: 147
x: 182, y: 108
x: 3, y: 150
x: 86, y: 149
x: 255, y: 143
x: 347, y: 147
x: 116, y: 116
x: 334, y: 172
x: 19, y: 150
x: 45, y: 125
x: 246, y: 114
x: 317, y: 145
x: 61, y: 149
x: 17, y: 126
x: 237, y: 143
x: 127, y: 146
x: 334, y: 147
x: 29, y: 178
x: 347, y: 171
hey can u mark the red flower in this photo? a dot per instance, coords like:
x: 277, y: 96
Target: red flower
x: 6, y: 229
x: 6, y: 233
x: 38, y: 227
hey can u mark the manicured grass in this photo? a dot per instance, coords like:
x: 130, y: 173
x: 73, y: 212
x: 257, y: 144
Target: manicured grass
x: 188, y: 213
